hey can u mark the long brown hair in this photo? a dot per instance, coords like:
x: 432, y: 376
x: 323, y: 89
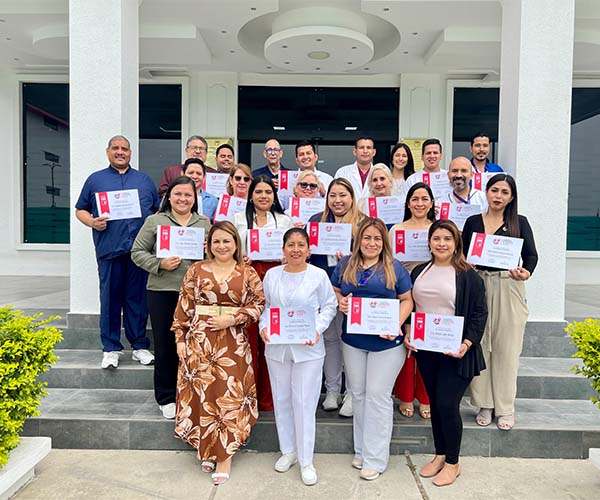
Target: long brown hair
x: 386, y: 259
x: 353, y: 216
x: 458, y: 260
x: 230, y: 229
x: 511, y: 211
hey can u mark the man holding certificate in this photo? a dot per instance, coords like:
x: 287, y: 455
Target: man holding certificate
x: 372, y: 360
x: 447, y: 293
x: 122, y: 283
x: 299, y: 306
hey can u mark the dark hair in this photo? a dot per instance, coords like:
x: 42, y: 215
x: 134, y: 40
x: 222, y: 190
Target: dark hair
x: 431, y: 142
x: 364, y: 138
x: 295, y: 230
x: 301, y: 144
x: 411, y: 191
x: 178, y: 181
x: 225, y: 146
x: 193, y: 161
x: 511, y: 211
x: 275, y: 208
x: 480, y: 134
x: 410, y: 165
x: 458, y: 260
x: 230, y: 229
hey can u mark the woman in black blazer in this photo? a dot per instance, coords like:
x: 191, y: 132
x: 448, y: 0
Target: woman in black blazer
x: 448, y: 285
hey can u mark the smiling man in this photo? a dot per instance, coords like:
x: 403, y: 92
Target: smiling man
x: 306, y: 159
x: 431, y: 154
x: 356, y: 173
x: 195, y: 147
x: 273, y: 154
x: 224, y: 158
x: 480, y: 149
x: 122, y: 283
x: 460, y: 175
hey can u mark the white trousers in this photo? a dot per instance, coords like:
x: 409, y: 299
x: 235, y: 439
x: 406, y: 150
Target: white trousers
x: 332, y: 337
x: 371, y: 376
x: 296, y: 388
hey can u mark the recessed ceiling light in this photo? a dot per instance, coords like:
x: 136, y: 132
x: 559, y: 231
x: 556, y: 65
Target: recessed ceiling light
x: 318, y: 69
x: 406, y: 51
x: 252, y: 8
x: 414, y: 33
x: 319, y: 55
x: 278, y: 127
x: 350, y: 128
x: 286, y: 62
x: 366, y: 69
x: 269, y: 67
x: 223, y: 31
x: 232, y: 51
x: 8, y: 38
x: 349, y: 62
x: 318, y: 39
x: 354, y: 48
x: 16, y: 59
x: 284, y: 46
x: 386, y: 9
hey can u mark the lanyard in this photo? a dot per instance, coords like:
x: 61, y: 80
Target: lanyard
x: 461, y: 199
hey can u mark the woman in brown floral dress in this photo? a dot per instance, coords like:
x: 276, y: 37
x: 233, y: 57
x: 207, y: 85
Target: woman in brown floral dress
x: 216, y: 391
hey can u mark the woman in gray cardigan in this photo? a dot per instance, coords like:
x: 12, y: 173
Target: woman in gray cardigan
x: 178, y: 208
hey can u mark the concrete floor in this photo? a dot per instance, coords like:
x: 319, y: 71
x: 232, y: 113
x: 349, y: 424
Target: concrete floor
x: 137, y: 475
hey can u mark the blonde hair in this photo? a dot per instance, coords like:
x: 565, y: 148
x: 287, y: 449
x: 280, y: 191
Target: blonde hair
x: 353, y: 216
x: 386, y: 258
x: 244, y: 168
x: 303, y: 175
x: 386, y: 171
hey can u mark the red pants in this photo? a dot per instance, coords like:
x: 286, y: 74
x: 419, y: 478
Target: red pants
x: 257, y: 347
x: 409, y: 383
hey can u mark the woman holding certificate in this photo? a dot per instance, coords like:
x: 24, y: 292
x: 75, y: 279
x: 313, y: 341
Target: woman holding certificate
x: 447, y: 285
x: 178, y: 209
x: 263, y: 211
x: 216, y: 392
x: 296, y: 369
x: 372, y: 362
x: 419, y: 214
x: 403, y: 166
x: 496, y: 390
x: 341, y: 208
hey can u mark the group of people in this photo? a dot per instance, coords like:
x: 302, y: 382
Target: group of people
x: 215, y: 365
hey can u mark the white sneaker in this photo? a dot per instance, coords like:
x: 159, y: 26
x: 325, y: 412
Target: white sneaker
x: 285, y: 462
x: 110, y: 359
x: 168, y: 411
x: 331, y: 401
x: 309, y: 474
x: 346, y: 409
x: 144, y: 356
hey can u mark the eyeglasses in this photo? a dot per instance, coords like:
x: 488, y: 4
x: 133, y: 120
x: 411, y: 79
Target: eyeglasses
x: 308, y: 185
x: 197, y: 148
x: 272, y: 150
x: 239, y: 178
x: 364, y: 277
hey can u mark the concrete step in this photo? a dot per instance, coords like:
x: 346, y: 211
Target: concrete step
x: 130, y: 419
x: 549, y: 378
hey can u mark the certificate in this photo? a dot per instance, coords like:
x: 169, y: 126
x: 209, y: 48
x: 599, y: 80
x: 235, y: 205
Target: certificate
x: 287, y: 182
x: 458, y: 212
x: 302, y: 209
x: 265, y: 244
x: 215, y: 183
x: 411, y: 245
x: 438, y: 182
x: 435, y: 332
x: 291, y: 325
x: 327, y: 238
x: 177, y: 241
x: 390, y: 209
x: 480, y: 179
x: 490, y: 250
x: 228, y: 206
x: 116, y: 205
x: 374, y: 316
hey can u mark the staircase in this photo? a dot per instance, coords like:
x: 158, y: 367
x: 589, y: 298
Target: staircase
x: 88, y: 407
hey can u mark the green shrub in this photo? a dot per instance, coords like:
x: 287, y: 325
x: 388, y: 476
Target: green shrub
x: 586, y: 337
x: 26, y: 350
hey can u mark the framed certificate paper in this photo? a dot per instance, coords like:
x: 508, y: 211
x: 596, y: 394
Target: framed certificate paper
x: 480, y: 179
x: 411, y: 245
x: 374, y: 316
x: 438, y: 182
x: 435, y: 332
x: 215, y: 183
x: 327, y: 238
x: 265, y: 244
x: 458, y: 212
x: 287, y: 182
x: 291, y: 325
x: 390, y: 209
x: 490, y: 250
x: 177, y: 241
x: 117, y: 205
x: 302, y: 209
x: 228, y: 206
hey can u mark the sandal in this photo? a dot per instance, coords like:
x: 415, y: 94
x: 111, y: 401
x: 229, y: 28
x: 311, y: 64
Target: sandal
x: 207, y: 466
x: 484, y: 417
x: 425, y: 411
x: 406, y: 410
x: 506, y: 422
x: 219, y: 478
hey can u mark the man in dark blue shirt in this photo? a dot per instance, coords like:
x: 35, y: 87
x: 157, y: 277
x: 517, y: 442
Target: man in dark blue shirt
x: 272, y: 154
x: 480, y: 149
x: 122, y: 283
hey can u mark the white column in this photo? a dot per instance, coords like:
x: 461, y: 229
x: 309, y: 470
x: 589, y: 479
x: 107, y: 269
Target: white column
x: 103, y: 74
x: 535, y: 125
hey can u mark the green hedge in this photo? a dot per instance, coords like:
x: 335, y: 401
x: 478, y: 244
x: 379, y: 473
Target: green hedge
x: 586, y: 336
x: 26, y: 350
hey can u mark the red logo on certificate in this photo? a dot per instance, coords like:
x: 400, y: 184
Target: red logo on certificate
x: 426, y: 179
x: 400, y: 241
x: 356, y: 312
x: 445, y: 210
x: 274, y: 321
x: 165, y: 237
x: 314, y: 233
x: 419, y: 327
x: 254, y: 240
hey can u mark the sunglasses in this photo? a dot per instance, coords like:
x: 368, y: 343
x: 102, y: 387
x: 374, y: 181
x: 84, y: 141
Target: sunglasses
x: 364, y: 277
x: 239, y: 178
x: 307, y: 185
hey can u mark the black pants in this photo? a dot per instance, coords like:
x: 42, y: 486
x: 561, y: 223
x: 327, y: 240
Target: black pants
x: 445, y: 388
x: 161, y: 306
